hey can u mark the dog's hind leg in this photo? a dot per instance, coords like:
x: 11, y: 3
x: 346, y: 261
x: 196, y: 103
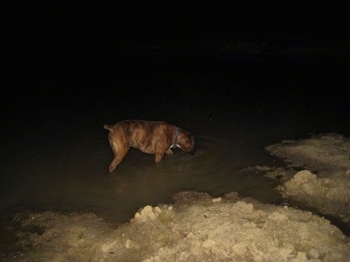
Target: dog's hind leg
x: 119, y: 154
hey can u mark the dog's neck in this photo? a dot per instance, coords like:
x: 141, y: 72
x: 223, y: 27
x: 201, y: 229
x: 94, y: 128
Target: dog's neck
x: 175, y: 139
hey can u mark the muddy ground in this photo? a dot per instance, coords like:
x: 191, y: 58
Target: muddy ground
x: 198, y: 227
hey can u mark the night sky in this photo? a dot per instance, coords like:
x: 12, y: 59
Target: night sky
x: 58, y: 54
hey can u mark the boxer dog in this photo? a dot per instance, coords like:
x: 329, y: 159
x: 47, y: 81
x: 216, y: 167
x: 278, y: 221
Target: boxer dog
x: 152, y: 137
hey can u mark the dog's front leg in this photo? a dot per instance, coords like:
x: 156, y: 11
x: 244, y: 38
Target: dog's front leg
x: 158, y: 157
x: 161, y: 149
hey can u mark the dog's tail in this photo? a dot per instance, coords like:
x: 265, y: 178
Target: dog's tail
x: 108, y: 127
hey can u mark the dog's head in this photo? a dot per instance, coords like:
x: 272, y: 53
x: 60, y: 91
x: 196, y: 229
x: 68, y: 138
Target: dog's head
x: 186, y: 141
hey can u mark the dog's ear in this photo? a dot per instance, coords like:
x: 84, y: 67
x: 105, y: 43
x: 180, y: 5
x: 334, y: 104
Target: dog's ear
x: 108, y: 127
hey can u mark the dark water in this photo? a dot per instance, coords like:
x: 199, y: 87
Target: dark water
x: 55, y: 153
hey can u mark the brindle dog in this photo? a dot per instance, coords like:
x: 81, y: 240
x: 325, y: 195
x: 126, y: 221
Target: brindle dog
x: 152, y: 137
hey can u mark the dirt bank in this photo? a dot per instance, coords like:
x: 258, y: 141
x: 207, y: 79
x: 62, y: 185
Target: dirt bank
x: 196, y: 228
x: 317, y: 173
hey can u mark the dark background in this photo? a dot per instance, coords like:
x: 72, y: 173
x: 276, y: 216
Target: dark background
x: 160, y: 61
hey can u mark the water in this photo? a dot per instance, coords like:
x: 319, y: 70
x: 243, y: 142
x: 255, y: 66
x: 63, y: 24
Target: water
x: 55, y: 153
x: 70, y: 173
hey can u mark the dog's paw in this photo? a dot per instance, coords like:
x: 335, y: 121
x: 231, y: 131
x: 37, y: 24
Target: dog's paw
x: 111, y: 168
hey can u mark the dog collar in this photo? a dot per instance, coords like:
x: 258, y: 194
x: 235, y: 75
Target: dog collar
x: 175, y: 139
